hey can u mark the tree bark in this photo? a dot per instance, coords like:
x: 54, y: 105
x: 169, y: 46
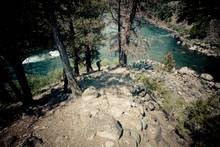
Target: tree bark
x: 4, y: 77
x: 19, y: 71
x: 88, y: 60
x: 122, y: 54
x: 76, y: 91
x: 75, y: 54
x: 76, y: 61
x: 65, y: 80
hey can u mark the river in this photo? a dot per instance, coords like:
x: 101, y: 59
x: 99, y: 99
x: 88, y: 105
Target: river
x: 160, y: 43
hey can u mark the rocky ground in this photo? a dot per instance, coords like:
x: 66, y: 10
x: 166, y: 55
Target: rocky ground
x: 114, y: 110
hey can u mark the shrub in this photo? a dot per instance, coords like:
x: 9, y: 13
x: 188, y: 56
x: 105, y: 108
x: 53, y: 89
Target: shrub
x: 199, y: 30
x: 37, y: 82
x: 148, y: 82
x: 202, y: 122
x: 169, y: 61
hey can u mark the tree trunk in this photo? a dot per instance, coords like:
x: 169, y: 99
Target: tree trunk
x: 76, y: 91
x: 4, y: 76
x: 76, y: 61
x: 75, y: 54
x: 65, y: 80
x: 128, y: 29
x: 19, y: 71
x: 122, y: 55
x: 88, y: 60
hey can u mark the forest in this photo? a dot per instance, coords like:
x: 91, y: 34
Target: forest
x: 110, y: 73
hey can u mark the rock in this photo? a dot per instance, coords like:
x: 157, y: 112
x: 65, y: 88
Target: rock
x: 10, y: 140
x: 179, y: 42
x: 193, y: 47
x: 90, y: 93
x: 33, y: 141
x: 206, y: 76
x: 143, y: 93
x: 139, y: 89
x: 147, y: 97
x: 111, y: 129
x: 109, y: 144
x: 217, y: 85
x: 144, y: 123
x: 139, y: 126
x: 136, y: 136
x: 154, y: 132
x: 150, y: 106
x: 187, y: 71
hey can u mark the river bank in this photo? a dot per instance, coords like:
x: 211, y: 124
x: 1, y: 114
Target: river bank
x: 193, y: 44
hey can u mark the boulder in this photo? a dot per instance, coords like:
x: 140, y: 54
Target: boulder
x: 90, y: 93
x: 217, y: 85
x: 139, y: 89
x: 206, y: 77
x: 187, y: 71
x: 193, y: 47
x: 151, y: 106
x: 136, y: 136
x: 109, y: 144
x: 110, y: 129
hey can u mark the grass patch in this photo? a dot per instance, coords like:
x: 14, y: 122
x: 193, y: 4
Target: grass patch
x: 37, y: 82
x: 105, y: 61
x: 170, y: 102
x: 148, y: 82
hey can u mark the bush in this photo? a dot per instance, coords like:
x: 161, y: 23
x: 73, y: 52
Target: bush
x: 148, y: 82
x: 37, y: 82
x: 202, y: 122
x: 169, y: 62
x: 199, y: 30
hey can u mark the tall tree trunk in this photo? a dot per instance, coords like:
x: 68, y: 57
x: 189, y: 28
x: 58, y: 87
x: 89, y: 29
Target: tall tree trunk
x: 19, y: 71
x: 130, y: 22
x: 65, y: 80
x: 76, y: 61
x: 76, y: 91
x: 88, y: 60
x: 122, y: 54
x: 76, y: 56
x: 4, y: 76
x: 129, y: 27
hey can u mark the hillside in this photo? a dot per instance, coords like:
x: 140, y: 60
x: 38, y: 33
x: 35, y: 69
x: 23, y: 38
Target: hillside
x: 196, y: 24
x: 134, y: 106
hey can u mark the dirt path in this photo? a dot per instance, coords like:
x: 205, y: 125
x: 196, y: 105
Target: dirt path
x: 106, y: 116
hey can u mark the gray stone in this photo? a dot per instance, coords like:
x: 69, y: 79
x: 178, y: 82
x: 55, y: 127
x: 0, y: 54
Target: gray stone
x: 111, y: 130
x: 206, y: 76
x: 144, y: 123
x: 150, y: 106
x: 109, y: 144
x: 139, y: 125
x: 217, y: 85
x: 136, y: 136
x: 187, y: 71
x: 138, y: 89
x: 89, y: 93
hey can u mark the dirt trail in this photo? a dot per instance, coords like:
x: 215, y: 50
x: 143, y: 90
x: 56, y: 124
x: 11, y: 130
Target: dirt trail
x: 106, y: 116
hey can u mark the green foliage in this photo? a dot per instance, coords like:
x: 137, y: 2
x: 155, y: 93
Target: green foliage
x: 202, y: 118
x: 169, y: 62
x: 164, y: 12
x: 37, y: 82
x: 199, y: 30
x: 148, y: 82
x: 106, y: 61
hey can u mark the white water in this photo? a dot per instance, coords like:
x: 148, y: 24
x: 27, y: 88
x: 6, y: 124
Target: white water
x: 41, y: 57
